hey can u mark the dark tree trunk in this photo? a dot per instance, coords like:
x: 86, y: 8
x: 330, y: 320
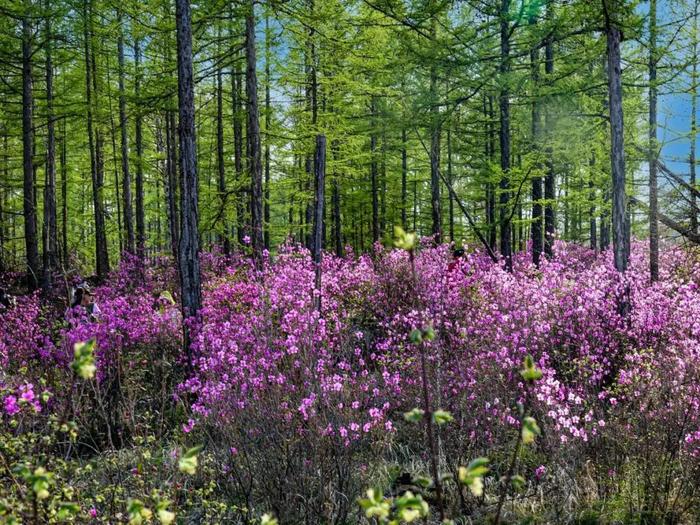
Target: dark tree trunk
x: 236, y: 83
x: 490, y: 189
x: 693, y: 121
x: 335, y: 203
x: 593, y: 229
x: 140, y: 210
x: 50, y: 255
x: 268, y: 116
x: 188, y: 252
x: 435, y: 203
x: 319, y: 201
x: 617, y: 152
x: 450, y: 182
x: 221, y: 168
x: 536, y: 229
x: 64, y: 193
x: 376, y: 235
x: 653, y: 167
x: 95, y: 145
x: 29, y: 196
x: 171, y: 182
x: 549, y: 179
x: 123, y: 125
x: 504, y: 136
x: 256, y: 204
x: 404, y: 179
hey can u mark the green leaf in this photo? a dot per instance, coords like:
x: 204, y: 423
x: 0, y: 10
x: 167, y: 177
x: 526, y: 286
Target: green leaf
x: 268, y: 519
x: 440, y: 417
x: 529, y: 371
x: 530, y: 430
x: 188, y: 461
x: 414, y: 416
x: 84, y: 359
x: 518, y: 483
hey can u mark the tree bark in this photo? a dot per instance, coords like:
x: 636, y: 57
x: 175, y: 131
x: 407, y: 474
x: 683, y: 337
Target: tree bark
x: 504, y: 136
x: 653, y: 167
x: 171, y: 182
x: 268, y: 115
x: 404, y: 179
x: 188, y: 252
x: 319, y: 202
x: 50, y: 255
x: 256, y: 204
x: 95, y: 146
x: 693, y: 121
x: 536, y: 192
x: 376, y: 235
x: 29, y: 196
x: 220, y: 167
x: 435, y: 203
x: 620, y: 223
x: 124, y: 128
x: 549, y: 179
x: 64, y: 193
x: 237, y: 96
x: 140, y: 210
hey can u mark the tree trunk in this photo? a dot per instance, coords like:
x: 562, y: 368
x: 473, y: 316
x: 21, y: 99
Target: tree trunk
x: 64, y: 193
x: 171, y: 182
x: 504, y: 136
x: 268, y: 114
x: 319, y: 202
x: 123, y: 125
x: 376, y: 235
x: 29, y: 196
x: 256, y: 204
x: 435, y: 203
x: 693, y: 120
x: 404, y: 179
x: 591, y: 210
x: 237, y: 95
x: 549, y: 179
x: 653, y: 167
x: 221, y: 168
x: 95, y: 146
x: 50, y: 255
x: 188, y: 252
x: 536, y: 196
x: 617, y: 152
x: 140, y: 210
x: 490, y: 189
x: 335, y: 203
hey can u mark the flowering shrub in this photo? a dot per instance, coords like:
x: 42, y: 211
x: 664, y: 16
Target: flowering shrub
x: 278, y: 386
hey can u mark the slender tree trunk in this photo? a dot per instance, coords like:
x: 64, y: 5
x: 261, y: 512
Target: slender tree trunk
x: 435, y: 155
x: 188, y: 251
x: 404, y: 178
x: 236, y: 82
x: 124, y: 128
x: 490, y: 189
x: 536, y: 228
x: 549, y: 179
x: 693, y: 120
x: 268, y: 114
x: 450, y: 181
x: 221, y: 168
x: 591, y: 209
x: 140, y: 210
x: 64, y: 192
x: 504, y: 136
x: 617, y: 154
x: 50, y: 255
x: 95, y: 146
x: 319, y: 201
x: 171, y: 182
x: 653, y: 184
x: 335, y: 203
x: 29, y: 195
x: 376, y: 235
x: 256, y: 204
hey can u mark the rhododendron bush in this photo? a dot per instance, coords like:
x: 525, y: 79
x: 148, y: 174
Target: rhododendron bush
x: 301, y: 408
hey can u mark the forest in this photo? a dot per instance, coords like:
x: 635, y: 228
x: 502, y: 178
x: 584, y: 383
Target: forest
x: 272, y: 262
